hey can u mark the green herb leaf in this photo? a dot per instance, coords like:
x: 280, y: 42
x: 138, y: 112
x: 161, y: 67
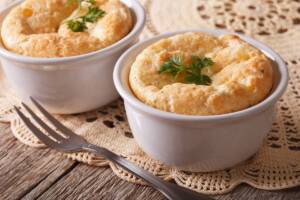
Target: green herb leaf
x: 198, y: 79
x: 193, y: 72
x: 174, y: 66
x: 76, y: 26
x: 93, y: 14
x: 200, y: 63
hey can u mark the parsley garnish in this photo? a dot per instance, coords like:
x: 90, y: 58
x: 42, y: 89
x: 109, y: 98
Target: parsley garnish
x: 76, y: 26
x: 193, y: 72
x: 92, y: 15
x: 174, y: 66
x: 198, y: 79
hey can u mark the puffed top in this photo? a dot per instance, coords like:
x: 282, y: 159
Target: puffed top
x: 241, y: 75
x: 38, y: 28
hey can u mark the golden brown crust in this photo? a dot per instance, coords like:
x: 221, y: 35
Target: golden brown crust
x: 37, y: 28
x: 241, y: 75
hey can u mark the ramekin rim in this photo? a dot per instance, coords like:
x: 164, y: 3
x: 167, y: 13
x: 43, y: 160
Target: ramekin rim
x: 137, y: 9
x: 261, y: 106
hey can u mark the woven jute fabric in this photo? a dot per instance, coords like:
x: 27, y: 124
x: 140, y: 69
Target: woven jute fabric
x: 275, y: 166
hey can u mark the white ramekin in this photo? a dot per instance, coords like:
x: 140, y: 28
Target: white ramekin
x: 199, y: 143
x: 70, y: 84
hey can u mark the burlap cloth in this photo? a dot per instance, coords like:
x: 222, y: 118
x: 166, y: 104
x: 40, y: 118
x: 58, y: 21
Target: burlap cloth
x: 275, y: 166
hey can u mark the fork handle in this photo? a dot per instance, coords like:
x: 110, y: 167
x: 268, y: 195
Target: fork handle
x: 170, y: 190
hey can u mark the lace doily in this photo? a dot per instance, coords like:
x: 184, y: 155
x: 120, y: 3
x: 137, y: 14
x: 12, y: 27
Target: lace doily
x: 275, y: 166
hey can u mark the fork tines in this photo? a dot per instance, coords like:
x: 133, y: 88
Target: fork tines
x: 54, y: 138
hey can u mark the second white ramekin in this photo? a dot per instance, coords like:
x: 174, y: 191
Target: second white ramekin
x: 199, y: 143
x: 71, y: 84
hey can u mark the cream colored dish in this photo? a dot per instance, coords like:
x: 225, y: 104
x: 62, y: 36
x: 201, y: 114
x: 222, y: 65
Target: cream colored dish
x: 39, y: 28
x: 72, y: 84
x: 194, y: 142
x: 241, y: 75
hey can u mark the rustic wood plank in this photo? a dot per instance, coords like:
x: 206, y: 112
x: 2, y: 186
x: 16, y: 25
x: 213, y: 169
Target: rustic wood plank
x: 27, y: 173
x: 86, y: 182
x: 23, y: 168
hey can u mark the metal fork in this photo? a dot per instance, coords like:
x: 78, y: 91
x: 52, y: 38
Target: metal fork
x: 69, y: 142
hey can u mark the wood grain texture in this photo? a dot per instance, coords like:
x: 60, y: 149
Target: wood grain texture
x: 86, y: 182
x: 27, y: 173
x: 23, y: 168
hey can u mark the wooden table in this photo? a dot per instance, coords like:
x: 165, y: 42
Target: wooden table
x: 28, y: 173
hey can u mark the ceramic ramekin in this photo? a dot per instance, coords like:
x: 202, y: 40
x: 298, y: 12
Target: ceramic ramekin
x: 199, y: 143
x: 70, y: 84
